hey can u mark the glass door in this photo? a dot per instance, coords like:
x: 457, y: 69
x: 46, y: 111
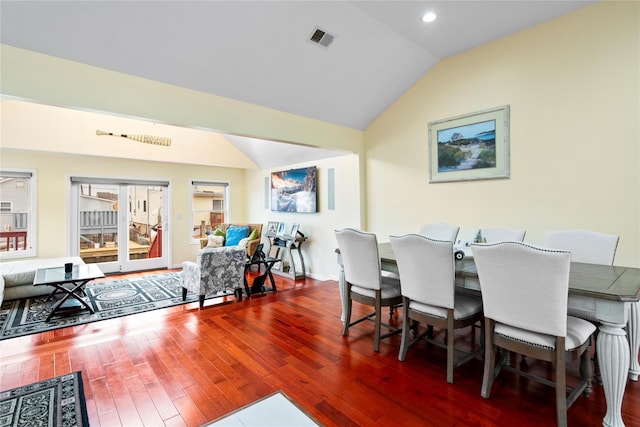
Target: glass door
x: 119, y: 226
x: 146, y: 243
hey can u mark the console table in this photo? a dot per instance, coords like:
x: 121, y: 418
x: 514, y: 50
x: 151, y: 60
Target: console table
x: 289, y: 244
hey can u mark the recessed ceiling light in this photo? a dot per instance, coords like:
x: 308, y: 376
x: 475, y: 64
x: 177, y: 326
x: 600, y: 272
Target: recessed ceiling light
x: 429, y: 17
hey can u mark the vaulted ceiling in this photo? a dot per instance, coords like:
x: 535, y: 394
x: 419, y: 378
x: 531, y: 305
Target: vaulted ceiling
x: 259, y: 51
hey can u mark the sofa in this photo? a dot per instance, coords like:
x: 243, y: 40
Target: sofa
x: 16, y: 277
x: 251, y: 244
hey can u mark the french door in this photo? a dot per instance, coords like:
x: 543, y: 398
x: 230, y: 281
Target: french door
x: 120, y: 224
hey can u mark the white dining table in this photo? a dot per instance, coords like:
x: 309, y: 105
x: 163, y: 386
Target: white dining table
x: 609, y: 294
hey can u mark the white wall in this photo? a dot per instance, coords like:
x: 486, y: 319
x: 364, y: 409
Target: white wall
x: 573, y: 86
x: 318, y: 250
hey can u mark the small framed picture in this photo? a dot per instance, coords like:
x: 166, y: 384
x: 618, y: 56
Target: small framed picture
x: 272, y: 227
x: 294, y: 230
x: 281, y: 228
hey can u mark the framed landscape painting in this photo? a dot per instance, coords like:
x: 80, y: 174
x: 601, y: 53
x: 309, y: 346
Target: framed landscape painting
x: 470, y: 147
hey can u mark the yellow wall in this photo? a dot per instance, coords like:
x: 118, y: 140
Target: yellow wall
x: 91, y: 91
x: 573, y: 85
x: 55, y: 169
x: 55, y: 81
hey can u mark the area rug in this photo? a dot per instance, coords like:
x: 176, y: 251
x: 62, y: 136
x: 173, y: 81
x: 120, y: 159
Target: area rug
x: 57, y: 402
x: 277, y: 409
x: 109, y: 299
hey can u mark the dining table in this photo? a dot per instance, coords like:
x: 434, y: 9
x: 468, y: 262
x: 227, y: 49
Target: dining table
x: 608, y: 295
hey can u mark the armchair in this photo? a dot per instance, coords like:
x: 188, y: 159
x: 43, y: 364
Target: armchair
x: 217, y: 272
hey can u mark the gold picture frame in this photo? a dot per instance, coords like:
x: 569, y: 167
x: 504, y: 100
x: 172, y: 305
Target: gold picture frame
x: 470, y: 147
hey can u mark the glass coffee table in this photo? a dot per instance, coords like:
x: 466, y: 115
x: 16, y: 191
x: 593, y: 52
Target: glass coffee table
x: 73, y: 292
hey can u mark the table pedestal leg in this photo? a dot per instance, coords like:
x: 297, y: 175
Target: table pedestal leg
x: 613, y: 358
x: 633, y: 330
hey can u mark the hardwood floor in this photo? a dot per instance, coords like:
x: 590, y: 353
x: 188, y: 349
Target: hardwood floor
x: 182, y: 366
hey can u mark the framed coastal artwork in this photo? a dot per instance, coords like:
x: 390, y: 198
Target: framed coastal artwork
x: 272, y: 227
x: 470, y: 147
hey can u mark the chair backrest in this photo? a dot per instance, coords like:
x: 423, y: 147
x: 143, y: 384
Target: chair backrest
x: 258, y: 254
x: 524, y: 286
x: 493, y: 235
x: 586, y: 246
x: 440, y: 231
x: 360, y: 258
x: 427, y: 269
x: 222, y: 268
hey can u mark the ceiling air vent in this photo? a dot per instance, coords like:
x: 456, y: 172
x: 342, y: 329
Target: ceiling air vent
x: 321, y: 37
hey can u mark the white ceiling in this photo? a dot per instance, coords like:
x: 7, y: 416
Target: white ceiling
x: 258, y: 51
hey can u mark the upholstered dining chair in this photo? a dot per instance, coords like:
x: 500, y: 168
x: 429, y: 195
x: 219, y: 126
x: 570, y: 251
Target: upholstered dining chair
x: 364, y: 281
x: 427, y: 279
x: 440, y: 231
x: 586, y: 246
x: 493, y: 235
x: 217, y: 272
x: 589, y: 247
x: 525, y: 291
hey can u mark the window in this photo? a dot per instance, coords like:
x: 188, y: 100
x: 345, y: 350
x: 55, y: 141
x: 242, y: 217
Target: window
x: 17, y: 213
x: 208, y: 205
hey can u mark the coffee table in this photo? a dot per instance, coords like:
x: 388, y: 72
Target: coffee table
x: 76, y: 280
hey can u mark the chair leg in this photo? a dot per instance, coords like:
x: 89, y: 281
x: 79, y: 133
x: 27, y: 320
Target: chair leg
x: 561, y: 383
x: 489, y: 359
x: 184, y: 294
x: 201, y: 302
x: 376, y: 339
x: 450, y: 346
x: 347, y: 318
x: 586, y: 370
x: 404, y: 343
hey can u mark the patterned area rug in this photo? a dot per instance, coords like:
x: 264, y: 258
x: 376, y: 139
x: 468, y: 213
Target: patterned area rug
x: 109, y: 299
x: 58, y: 402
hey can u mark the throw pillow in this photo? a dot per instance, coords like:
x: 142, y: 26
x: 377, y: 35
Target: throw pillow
x: 243, y: 242
x: 219, y: 232
x: 215, y: 241
x: 235, y: 234
x: 253, y: 235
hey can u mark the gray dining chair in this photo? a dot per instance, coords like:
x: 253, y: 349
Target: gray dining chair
x: 586, y: 246
x: 364, y: 281
x: 525, y: 291
x: 440, y: 231
x: 493, y: 235
x: 589, y: 247
x: 427, y: 279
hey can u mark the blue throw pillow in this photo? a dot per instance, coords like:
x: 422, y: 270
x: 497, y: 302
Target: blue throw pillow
x: 235, y: 234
